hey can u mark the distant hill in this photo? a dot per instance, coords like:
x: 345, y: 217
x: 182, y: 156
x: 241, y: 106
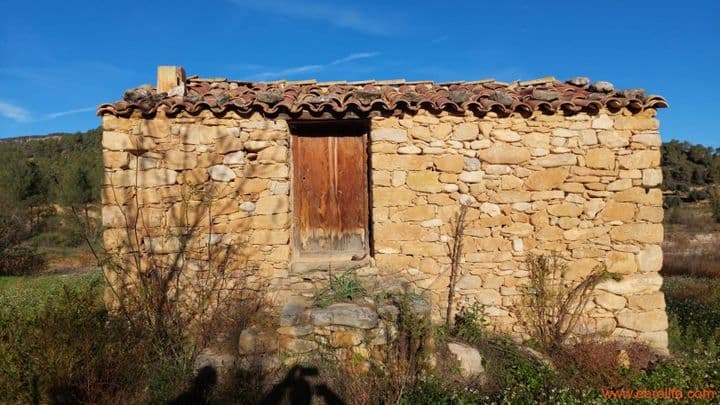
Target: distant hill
x: 37, y: 168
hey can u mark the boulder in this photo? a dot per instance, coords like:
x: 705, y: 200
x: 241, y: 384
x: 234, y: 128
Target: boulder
x: 468, y: 357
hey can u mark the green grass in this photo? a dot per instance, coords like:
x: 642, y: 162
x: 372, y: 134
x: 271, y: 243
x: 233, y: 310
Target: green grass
x: 28, y: 293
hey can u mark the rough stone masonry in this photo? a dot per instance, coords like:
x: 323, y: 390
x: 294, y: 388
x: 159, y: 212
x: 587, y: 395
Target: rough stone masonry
x: 545, y: 166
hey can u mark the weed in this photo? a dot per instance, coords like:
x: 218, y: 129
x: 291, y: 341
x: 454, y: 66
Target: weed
x: 343, y: 288
x: 470, y: 323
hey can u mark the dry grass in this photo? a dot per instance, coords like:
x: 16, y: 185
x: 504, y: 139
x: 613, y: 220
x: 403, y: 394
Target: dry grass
x: 696, y: 264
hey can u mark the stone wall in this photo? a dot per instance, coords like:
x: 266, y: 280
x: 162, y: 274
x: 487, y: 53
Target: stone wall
x: 583, y: 186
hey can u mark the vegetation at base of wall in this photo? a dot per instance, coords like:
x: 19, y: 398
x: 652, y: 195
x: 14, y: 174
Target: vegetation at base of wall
x: 551, y: 306
x: 343, y: 288
x: 51, y: 326
x: 470, y: 324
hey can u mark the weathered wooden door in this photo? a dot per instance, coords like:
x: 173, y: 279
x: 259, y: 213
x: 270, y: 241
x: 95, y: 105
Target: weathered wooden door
x: 330, y: 188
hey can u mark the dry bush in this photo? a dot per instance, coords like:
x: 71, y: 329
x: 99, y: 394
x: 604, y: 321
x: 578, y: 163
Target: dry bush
x: 592, y: 364
x: 551, y: 305
x: 695, y: 264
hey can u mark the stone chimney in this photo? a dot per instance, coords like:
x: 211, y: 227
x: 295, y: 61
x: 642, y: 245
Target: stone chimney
x: 170, y: 77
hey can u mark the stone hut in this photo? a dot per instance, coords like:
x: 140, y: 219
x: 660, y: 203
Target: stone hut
x: 306, y: 179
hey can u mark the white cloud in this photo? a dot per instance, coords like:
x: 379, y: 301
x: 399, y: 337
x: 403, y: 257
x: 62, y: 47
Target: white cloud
x: 14, y: 112
x: 285, y: 73
x: 354, y: 56
x: 75, y: 111
x: 365, y: 20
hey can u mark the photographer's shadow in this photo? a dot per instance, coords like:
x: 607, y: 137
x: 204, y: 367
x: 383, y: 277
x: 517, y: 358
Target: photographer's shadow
x: 297, y: 389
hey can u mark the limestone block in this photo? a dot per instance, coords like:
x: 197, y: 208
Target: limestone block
x: 418, y: 213
x: 401, y: 162
x: 346, y: 315
x: 636, y: 122
x: 651, y: 214
x: 273, y: 154
x: 196, y: 134
x: 565, y: 210
x: 621, y: 262
x: 424, y: 181
x: 162, y: 244
x: 227, y: 144
x: 491, y: 209
x: 180, y: 160
x: 234, y: 158
x: 345, y: 338
x: 619, y: 185
x: 647, y: 302
x: 118, y: 141
x: 588, y: 137
x: 143, y: 178
x: 450, y: 163
x: 564, y: 159
x: 638, y: 195
x: 471, y: 177
x: 401, y: 231
x: 637, y: 283
x: 466, y: 132
x: 469, y: 282
x: 505, y: 154
x: 396, y: 135
x: 271, y: 170
x: 642, y: 159
x: 221, y: 173
x: 536, y: 140
x: 113, y: 123
x: 272, y: 205
x: 644, y: 233
x: 256, y: 146
x: 392, y: 196
x: 613, y: 139
x: 648, y: 321
x: 409, y: 150
x: 505, y: 135
x: 647, y: 139
x: 510, y: 197
x: 116, y: 160
x: 248, y: 186
x: 650, y: 259
x: 579, y: 269
x: 600, y: 158
x: 295, y: 330
x: 602, y: 122
x: 269, y: 237
x: 609, y: 301
x: 423, y: 133
x: 593, y: 207
x: 615, y: 211
x: 547, y: 179
x: 652, y: 177
x: 295, y: 345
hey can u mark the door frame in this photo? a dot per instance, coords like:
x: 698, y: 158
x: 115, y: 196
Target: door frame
x: 314, y: 127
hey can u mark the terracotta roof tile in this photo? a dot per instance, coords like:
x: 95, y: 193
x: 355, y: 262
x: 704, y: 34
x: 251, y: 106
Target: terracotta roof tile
x: 220, y: 95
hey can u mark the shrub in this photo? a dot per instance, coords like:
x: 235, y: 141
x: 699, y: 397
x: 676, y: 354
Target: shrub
x: 715, y: 204
x: 552, y: 306
x: 345, y: 287
x: 470, y: 323
x: 70, y: 351
x: 15, y: 258
x: 21, y: 261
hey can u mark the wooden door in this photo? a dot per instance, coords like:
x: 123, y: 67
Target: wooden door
x: 330, y: 188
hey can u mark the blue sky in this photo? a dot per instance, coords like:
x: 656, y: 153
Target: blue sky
x: 59, y: 60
